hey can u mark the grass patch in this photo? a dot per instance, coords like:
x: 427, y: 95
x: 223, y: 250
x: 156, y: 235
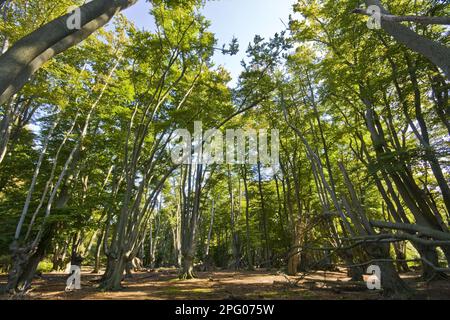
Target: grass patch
x: 200, y: 290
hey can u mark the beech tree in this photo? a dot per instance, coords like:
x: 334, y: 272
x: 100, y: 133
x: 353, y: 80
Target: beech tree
x: 89, y: 120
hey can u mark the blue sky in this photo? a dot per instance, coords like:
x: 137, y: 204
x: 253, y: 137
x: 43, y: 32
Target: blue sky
x: 240, y: 18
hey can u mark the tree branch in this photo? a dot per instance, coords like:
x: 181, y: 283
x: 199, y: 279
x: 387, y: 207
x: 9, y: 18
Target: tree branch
x: 425, y: 20
x: 33, y: 50
x: 436, y: 234
x: 436, y: 52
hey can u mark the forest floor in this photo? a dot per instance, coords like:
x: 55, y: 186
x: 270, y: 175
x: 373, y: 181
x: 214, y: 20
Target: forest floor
x: 163, y: 284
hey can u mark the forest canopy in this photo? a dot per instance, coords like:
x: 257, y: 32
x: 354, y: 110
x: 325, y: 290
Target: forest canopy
x: 89, y: 116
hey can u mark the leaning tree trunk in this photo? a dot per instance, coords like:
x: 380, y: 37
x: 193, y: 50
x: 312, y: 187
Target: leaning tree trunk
x: 25, y: 262
x: 30, y: 53
x: 391, y: 283
x: 114, y: 274
x: 437, y: 53
x: 431, y: 255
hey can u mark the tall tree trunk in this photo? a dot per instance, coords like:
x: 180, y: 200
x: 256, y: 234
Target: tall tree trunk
x: 177, y: 235
x: 190, y: 222
x: 112, y: 279
x: 267, y: 261
x: 234, y: 234
x: 294, y: 254
x: 26, y: 260
x: 98, y: 250
x: 5, y: 130
x: 208, y: 259
x: 393, y: 286
x: 247, y: 219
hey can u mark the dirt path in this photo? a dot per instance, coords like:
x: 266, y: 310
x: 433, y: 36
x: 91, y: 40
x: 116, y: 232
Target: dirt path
x: 164, y: 284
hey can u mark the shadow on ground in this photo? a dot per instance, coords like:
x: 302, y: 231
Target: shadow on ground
x: 163, y: 284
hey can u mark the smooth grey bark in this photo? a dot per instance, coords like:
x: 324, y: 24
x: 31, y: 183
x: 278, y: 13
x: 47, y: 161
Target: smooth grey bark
x: 28, y: 54
x: 176, y: 231
x: 434, y: 51
x: 98, y: 250
x: 416, y: 19
x: 154, y: 238
x: 437, y: 235
x: 34, y: 180
x: 211, y: 224
x: 151, y: 247
x: 248, y: 247
x: 234, y: 233
x: 5, y: 131
x: 189, y: 219
x: 267, y: 261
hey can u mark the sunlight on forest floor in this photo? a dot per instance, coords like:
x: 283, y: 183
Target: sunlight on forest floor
x: 163, y: 284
